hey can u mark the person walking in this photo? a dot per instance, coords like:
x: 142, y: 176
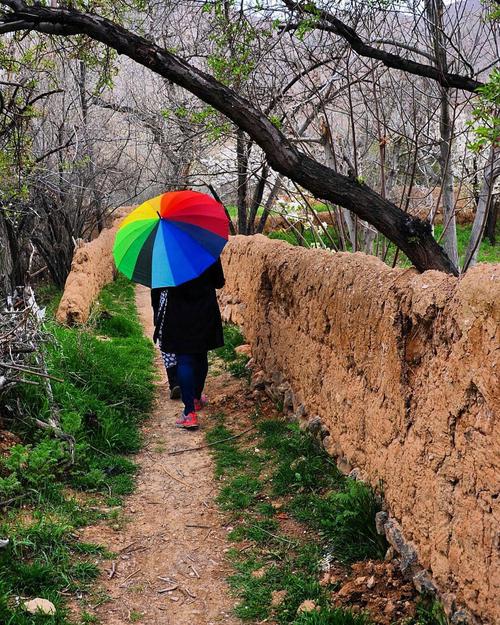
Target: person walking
x: 187, y: 326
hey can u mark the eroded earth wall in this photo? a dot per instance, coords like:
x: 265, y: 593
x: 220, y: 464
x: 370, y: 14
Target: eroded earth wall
x: 402, y: 370
x: 92, y: 268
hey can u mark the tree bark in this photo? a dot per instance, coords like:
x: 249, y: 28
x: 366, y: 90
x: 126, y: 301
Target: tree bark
x: 435, y: 9
x: 484, y: 207
x: 330, y: 160
x: 242, y: 163
x: 411, y: 234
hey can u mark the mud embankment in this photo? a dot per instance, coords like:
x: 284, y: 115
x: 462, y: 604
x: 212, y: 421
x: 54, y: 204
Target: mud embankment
x: 91, y: 269
x: 398, y: 373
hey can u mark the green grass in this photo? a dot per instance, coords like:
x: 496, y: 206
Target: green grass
x: 235, y: 363
x: 108, y: 373
x: 346, y: 521
x: 338, y: 516
x: 429, y: 612
x: 332, y: 616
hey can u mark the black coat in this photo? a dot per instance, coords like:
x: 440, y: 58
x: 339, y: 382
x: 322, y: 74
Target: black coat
x: 192, y: 322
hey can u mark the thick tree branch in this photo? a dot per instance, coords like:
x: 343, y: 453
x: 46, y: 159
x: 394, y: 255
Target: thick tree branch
x: 412, y: 235
x: 330, y: 23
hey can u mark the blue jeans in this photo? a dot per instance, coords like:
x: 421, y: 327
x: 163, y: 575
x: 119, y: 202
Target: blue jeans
x: 192, y: 372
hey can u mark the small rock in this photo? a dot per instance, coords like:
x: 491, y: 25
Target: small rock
x: 301, y: 411
x: 258, y: 381
x: 243, y: 350
x: 371, y: 582
x: 390, y: 608
x: 355, y: 474
x: 314, y: 425
x: 424, y: 584
x: 40, y: 606
x: 307, y: 606
x: 380, y: 521
x: 389, y: 554
x: 259, y: 573
x: 277, y: 597
x: 343, y: 465
x: 347, y: 589
x: 3, y: 542
x: 461, y: 617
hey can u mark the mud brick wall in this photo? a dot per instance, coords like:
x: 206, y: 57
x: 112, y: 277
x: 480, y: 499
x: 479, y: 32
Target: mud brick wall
x: 401, y: 372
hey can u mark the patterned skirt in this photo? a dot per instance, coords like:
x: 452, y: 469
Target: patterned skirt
x: 169, y: 359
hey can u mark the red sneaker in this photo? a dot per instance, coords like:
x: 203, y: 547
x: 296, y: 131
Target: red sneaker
x: 189, y: 421
x: 199, y: 404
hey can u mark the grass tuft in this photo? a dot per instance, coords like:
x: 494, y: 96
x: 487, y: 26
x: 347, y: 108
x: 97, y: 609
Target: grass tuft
x: 333, y: 616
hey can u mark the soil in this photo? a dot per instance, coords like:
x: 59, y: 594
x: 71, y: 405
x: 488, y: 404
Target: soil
x: 171, y: 534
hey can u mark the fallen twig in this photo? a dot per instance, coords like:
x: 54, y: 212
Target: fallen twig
x: 40, y: 374
x: 222, y: 440
x: 168, y: 589
x: 124, y: 549
x: 129, y: 576
x: 112, y: 570
x: 174, y: 478
x: 195, y: 525
x: 187, y: 591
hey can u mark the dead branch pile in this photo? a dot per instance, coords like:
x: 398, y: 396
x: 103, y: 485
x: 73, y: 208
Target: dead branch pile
x: 21, y: 335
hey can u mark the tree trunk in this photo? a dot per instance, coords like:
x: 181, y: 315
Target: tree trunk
x: 331, y: 161
x: 6, y: 265
x: 269, y: 203
x: 96, y: 209
x: 242, y: 162
x: 491, y: 223
x: 484, y: 207
x: 409, y: 233
x: 435, y: 9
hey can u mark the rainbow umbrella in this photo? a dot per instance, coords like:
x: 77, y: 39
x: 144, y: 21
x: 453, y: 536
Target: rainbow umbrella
x: 171, y: 238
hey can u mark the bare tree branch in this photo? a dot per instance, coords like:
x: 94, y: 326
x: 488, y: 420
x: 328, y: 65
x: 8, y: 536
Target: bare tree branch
x: 330, y: 23
x: 412, y: 235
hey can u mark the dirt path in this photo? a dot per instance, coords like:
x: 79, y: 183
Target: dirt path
x: 171, y: 528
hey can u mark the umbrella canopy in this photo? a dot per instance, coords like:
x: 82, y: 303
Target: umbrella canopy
x: 171, y: 238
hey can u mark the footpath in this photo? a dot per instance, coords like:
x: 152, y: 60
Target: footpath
x: 170, y: 540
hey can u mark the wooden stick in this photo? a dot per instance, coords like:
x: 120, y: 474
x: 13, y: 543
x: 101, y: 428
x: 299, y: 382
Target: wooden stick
x: 206, y: 527
x: 174, y: 478
x: 8, y: 365
x: 129, y: 576
x: 168, y: 589
x: 222, y: 440
x: 112, y: 570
